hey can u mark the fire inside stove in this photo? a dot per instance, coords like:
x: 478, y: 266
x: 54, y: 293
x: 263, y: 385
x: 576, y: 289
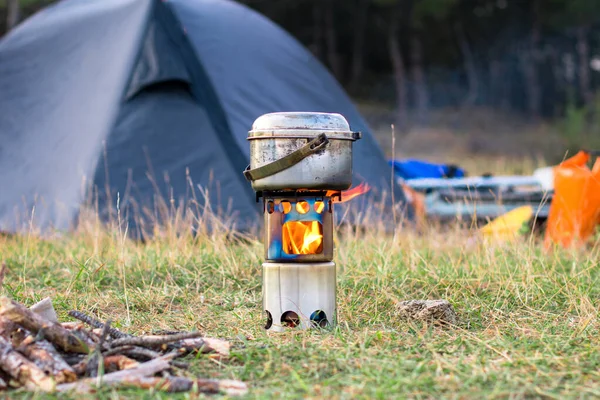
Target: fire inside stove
x: 303, y: 237
x: 299, y: 227
x: 300, y: 224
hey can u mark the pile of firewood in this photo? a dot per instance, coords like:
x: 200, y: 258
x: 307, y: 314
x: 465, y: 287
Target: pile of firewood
x: 39, y: 353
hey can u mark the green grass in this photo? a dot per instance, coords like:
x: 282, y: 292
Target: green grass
x: 528, y: 319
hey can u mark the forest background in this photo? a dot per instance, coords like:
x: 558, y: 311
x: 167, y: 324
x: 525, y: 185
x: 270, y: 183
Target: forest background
x: 493, y: 83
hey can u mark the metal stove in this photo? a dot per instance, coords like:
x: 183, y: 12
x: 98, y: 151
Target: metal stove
x: 299, y: 164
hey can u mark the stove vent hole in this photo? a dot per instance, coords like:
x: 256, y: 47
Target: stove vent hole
x: 286, y: 207
x: 269, y: 320
x: 319, y: 318
x: 302, y: 207
x: 319, y: 207
x: 290, y: 319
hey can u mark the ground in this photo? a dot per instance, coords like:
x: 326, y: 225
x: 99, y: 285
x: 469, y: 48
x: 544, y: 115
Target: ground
x: 528, y: 317
x: 528, y: 325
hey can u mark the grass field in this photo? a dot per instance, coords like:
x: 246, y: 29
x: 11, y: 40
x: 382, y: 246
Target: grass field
x: 528, y: 319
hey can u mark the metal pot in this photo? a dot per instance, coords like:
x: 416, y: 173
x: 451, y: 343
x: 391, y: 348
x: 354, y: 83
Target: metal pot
x: 300, y: 151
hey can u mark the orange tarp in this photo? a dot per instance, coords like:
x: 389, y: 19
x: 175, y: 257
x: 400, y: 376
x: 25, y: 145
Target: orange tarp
x: 575, y: 209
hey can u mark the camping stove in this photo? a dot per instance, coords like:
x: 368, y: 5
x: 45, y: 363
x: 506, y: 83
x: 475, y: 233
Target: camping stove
x: 299, y: 164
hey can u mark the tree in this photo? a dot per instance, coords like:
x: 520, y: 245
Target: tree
x: 331, y: 39
x: 422, y: 13
x: 12, y: 14
x: 577, y: 18
x: 358, y: 50
x: 530, y: 58
x: 469, y: 65
x: 390, y: 15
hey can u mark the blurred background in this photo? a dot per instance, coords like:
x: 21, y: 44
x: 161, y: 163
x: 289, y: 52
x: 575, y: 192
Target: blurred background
x: 493, y: 85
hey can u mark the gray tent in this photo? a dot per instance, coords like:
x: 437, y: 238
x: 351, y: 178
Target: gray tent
x: 119, y: 94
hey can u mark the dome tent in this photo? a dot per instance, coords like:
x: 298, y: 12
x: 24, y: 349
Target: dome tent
x: 117, y: 94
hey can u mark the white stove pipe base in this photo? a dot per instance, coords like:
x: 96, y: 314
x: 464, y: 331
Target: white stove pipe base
x: 299, y: 295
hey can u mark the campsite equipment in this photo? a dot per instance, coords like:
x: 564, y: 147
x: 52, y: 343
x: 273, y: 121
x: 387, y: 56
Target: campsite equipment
x: 417, y: 202
x: 299, y: 275
x: 545, y: 177
x: 474, y: 183
x: 418, y: 169
x: 481, y: 198
x: 300, y: 151
x: 575, y: 209
x: 509, y: 225
x: 158, y: 113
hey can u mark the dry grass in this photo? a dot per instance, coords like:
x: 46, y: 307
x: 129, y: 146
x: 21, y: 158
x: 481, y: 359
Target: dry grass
x: 478, y: 139
x: 528, y: 319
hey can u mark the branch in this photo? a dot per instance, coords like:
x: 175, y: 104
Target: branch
x: 141, y: 371
x: 45, y: 356
x: 23, y: 370
x: 53, y: 331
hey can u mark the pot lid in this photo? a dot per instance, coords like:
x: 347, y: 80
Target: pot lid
x: 302, y: 124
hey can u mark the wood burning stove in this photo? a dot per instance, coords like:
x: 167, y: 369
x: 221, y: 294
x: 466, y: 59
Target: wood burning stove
x: 299, y: 164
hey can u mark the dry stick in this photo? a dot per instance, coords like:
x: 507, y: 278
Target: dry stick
x: 45, y: 308
x: 81, y: 367
x: 33, y: 322
x: 45, y: 356
x: 112, y: 363
x: 173, y: 384
x: 142, y: 352
x: 71, y: 325
x: 88, y: 335
x: 205, y: 345
x: 96, y: 358
x: 119, y: 362
x: 23, y: 370
x: 104, y: 334
x: 7, y: 327
x: 94, y: 323
x: 142, y: 370
x: 6, y: 378
x: 134, y: 351
x: 184, y: 346
x: 155, y: 340
x: 167, y: 332
x: 18, y: 336
x: 116, y: 350
x: 73, y: 359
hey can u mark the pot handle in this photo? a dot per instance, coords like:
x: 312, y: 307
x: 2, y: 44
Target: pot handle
x: 291, y: 159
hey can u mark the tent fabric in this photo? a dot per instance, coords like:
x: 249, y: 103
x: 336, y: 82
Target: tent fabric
x: 171, y: 123
x: 262, y: 69
x: 62, y: 75
x: 159, y: 61
x: 150, y: 99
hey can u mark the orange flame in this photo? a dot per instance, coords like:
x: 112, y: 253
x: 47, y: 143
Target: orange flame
x: 350, y: 194
x: 306, y: 237
x: 302, y: 237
